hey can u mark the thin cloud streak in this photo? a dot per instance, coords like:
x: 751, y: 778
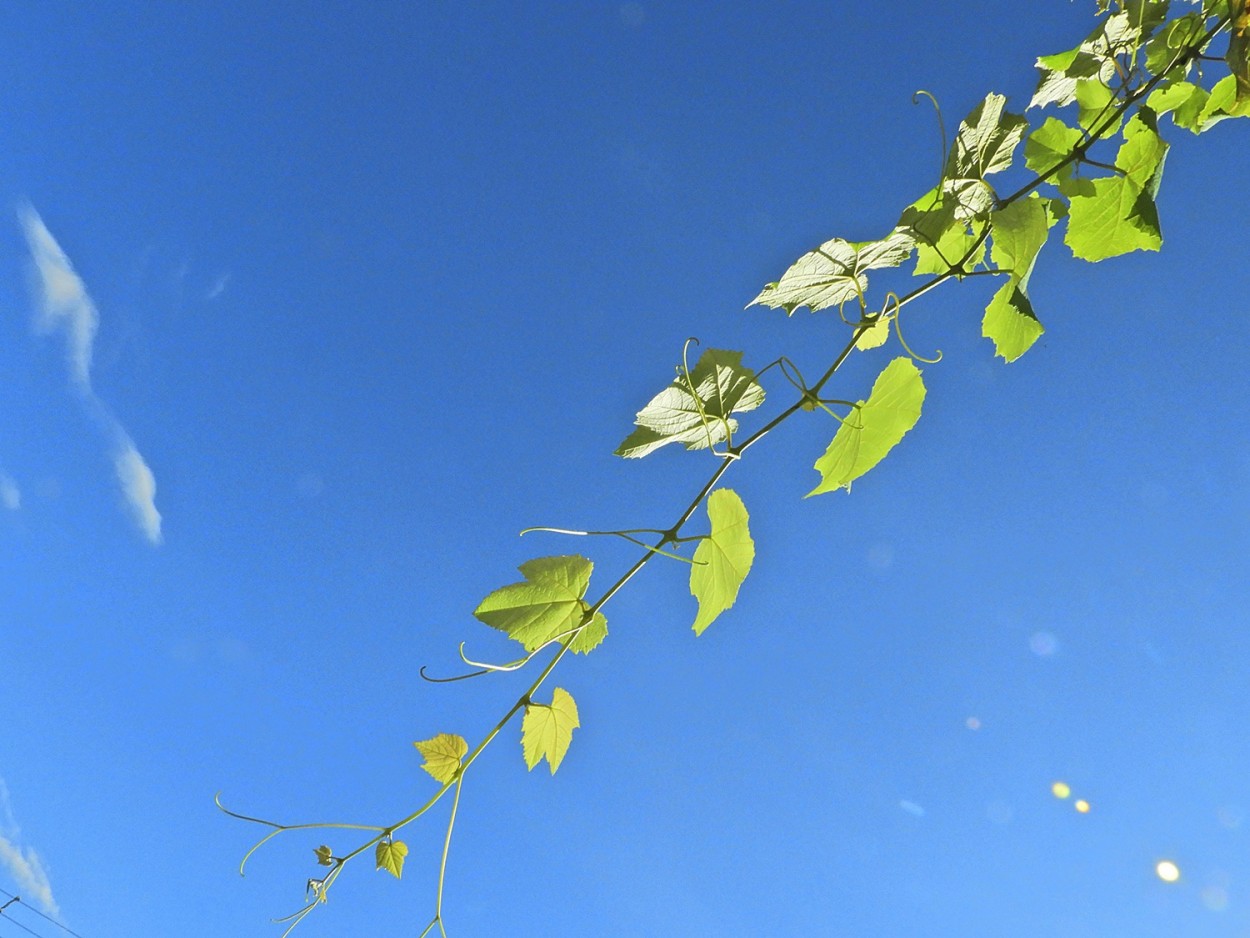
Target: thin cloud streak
x: 23, y: 863
x: 10, y: 494
x: 63, y: 300
x: 64, y: 305
x: 139, y: 486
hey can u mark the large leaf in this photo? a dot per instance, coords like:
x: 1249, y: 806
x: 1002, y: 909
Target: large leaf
x: 945, y: 224
x: 442, y: 756
x: 547, y: 729
x: 1050, y: 145
x: 723, y: 558
x: 874, y: 427
x: 722, y: 385
x: 833, y: 273
x: 985, y: 141
x: 1094, y: 59
x: 1019, y: 231
x: 1114, y: 217
x: 547, y: 604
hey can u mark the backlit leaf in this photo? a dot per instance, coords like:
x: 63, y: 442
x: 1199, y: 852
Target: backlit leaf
x: 547, y: 604
x: 1048, y: 146
x: 1019, y: 231
x: 942, y: 222
x: 442, y: 755
x: 722, y: 386
x: 874, y: 427
x: 547, y: 729
x: 834, y: 273
x: 1238, y: 53
x: 390, y: 856
x: 1114, y: 217
x: 723, y: 559
x: 985, y: 141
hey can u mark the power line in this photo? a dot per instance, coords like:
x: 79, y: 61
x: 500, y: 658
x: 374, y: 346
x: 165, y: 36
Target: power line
x: 12, y: 899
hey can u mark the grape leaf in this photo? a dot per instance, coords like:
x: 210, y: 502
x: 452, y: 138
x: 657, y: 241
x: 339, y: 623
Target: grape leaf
x: 833, y: 273
x: 1142, y: 154
x: 390, y: 856
x: 1238, y: 53
x: 592, y: 633
x: 723, y: 558
x: 942, y: 223
x: 874, y: 427
x: 547, y: 729
x: 724, y: 386
x: 1162, y: 50
x: 1049, y: 145
x: 1093, y: 60
x: 547, y: 604
x: 1019, y: 231
x: 985, y: 141
x: 1116, y: 217
x: 874, y: 336
x: 442, y: 756
x: 1184, y: 99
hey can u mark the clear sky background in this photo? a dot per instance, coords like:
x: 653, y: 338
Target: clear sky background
x: 379, y: 285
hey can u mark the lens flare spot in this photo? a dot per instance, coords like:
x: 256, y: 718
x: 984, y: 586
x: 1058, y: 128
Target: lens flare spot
x: 1215, y: 898
x: 1082, y: 805
x: 1060, y: 789
x: 972, y: 723
x: 1043, y: 644
x: 1167, y: 871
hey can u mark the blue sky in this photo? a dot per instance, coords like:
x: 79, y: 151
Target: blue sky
x: 306, y: 313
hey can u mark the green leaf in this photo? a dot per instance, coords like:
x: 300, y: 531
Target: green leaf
x: 943, y: 223
x: 1142, y: 154
x: 723, y: 558
x: 547, y: 604
x: 1096, y: 102
x: 592, y: 633
x: 1238, y: 53
x: 1019, y: 231
x: 1184, y: 99
x: 390, y: 856
x: 547, y: 729
x: 723, y: 386
x: 1048, y: 146
x: 1116, y: 217
x: 1162, y: 50
x: 442, y: 756
x: 985, y: 141
x: 833, y: 273
x: 325, y: 857
x: 874, y: 336
x: 1222, y: 104
x: 874, y: 427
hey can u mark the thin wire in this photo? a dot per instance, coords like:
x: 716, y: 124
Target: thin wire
x: 27, y: 905
x: 13, y: 921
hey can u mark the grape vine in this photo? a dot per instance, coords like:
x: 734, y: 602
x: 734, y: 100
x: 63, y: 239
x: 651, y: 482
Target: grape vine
x: 1097, y: 172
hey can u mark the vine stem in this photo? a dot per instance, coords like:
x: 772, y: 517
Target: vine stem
x: 672, y: 535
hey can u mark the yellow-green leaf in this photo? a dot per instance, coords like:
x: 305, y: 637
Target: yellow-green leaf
x: 547, y: 729
x: 1020, y: 230
x: 547, y: 604
x: 442, y: 756
x: 874, y: 427
x: 390, y: 856
x: 723, y: 558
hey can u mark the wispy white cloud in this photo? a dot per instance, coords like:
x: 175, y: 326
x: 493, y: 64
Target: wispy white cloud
x: 64, y: 305
x: 218, y: 287
x: 63, y: 300
x: 10, y: 494
x: 139, y: 486
x: 23, y: 862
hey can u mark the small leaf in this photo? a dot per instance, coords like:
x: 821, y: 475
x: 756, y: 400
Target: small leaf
x: 325, y: 856
x: 547, y: 729
x: 1184, y: 99
x: 834, y: 273
x: 985, y: 141
x: 1020, y: 230
x: 390, y: 856
x: 1142, y: 154
x: 873, y: 337
x: 1048, y: 146
x: 723, y: 386
x: 442, y: 756
x: 874, y: 427
x: 723, y: 558
x: 592, y: 633
x: 547, y: 604
x: 943, y: 225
